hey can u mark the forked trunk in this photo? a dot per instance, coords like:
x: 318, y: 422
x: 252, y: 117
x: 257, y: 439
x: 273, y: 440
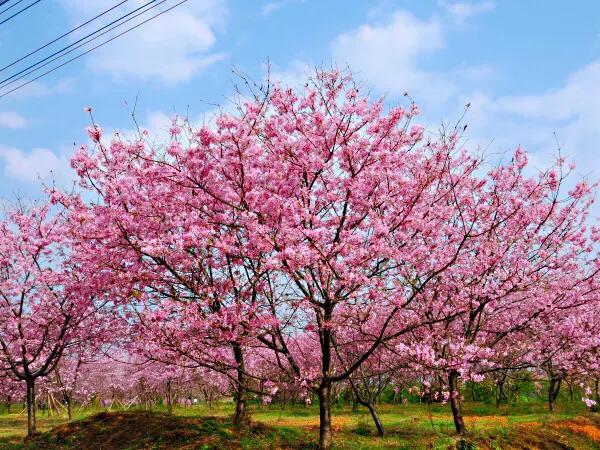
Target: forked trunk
x: 31, y: 406
x: 376, y: 420
x: 499, y: 393
x: 553, y: 391
x: 370, y: 405
x: 456, y: 403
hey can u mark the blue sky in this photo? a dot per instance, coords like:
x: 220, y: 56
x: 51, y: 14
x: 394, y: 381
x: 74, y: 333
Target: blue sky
x: 528, y: 68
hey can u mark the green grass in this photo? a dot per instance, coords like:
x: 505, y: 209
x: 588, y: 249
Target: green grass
x: 411, y: 426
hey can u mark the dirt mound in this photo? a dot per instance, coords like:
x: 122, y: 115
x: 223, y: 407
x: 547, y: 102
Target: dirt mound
x: 146, y: 430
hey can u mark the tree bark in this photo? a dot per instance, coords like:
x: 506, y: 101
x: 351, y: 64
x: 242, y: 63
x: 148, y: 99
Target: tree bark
x: 31, y: 406
x: 550, y: 396
x: 571, y: 392
x: 473, y: 393
x: 553, y: 391
x: 499, y: 393
x: 241, y: 413
x: 376, y: 420
x: 324, y: 393
x: 69, y: 409
x: 370, y: 405
x: 324, y: 390
x: 456, y: 403
x: 169, y: 397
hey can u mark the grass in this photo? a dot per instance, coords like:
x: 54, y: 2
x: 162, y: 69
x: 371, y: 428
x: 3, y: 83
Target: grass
x: 411, y: 426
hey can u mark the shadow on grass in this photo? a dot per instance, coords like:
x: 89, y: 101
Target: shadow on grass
x: 141, y: 430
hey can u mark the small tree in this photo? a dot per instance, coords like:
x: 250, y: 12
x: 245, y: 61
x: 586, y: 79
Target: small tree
x: 44, y: 308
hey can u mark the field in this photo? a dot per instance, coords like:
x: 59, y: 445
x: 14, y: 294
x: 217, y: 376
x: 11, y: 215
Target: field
x: 411, y: 426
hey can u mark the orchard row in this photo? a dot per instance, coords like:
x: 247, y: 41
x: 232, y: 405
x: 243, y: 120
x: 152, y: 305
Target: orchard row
x: 304, y: 241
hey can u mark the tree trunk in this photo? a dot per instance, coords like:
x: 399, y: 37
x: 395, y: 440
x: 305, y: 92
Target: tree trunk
x: 376, y: 420
x: 69, y: 409
x: 324, y: 393
x: 571, y: 392
x: 596, y: 389
x: 456, y: 403
x: 553, y: 391
x: 550, y: 395
x: 370, y: 405
x: 499, y: 393
x: 169, y: 397
x: 31, y: 406
x: 241, y: 413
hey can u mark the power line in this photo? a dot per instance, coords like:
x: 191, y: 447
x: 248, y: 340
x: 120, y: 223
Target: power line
x: 20, y: 11
x: 93, y: 48
x: 10, y: 7
x: 61, y: 36
x: 78, y: 41
x: 4, y: 2
x: 61, y: 53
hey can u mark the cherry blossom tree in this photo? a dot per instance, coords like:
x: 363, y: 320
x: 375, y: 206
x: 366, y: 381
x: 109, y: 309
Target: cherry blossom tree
x: 44, y: 304
x: 171, y: 255
x: 325, y: 228
x: 11, y: 391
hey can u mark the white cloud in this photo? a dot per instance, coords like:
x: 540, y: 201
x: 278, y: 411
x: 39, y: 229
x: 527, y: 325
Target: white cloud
x: 571, y: 110
x: 12, y: 120
x: 461, y: 11
x: 172, y: 48
x: 579, y: 96
x: 38, y: 89
x: 388, y: 55
x: 477, y: 73
x: 272, y: 7
x: 158, y: 124
x: 294, y: 75
x: 40, y: 164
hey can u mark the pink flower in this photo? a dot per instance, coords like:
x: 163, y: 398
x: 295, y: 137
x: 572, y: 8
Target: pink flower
x: 588, y: 402
x: 95, y: 133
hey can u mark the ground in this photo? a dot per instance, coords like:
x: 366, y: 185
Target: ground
x: 413, y: 426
